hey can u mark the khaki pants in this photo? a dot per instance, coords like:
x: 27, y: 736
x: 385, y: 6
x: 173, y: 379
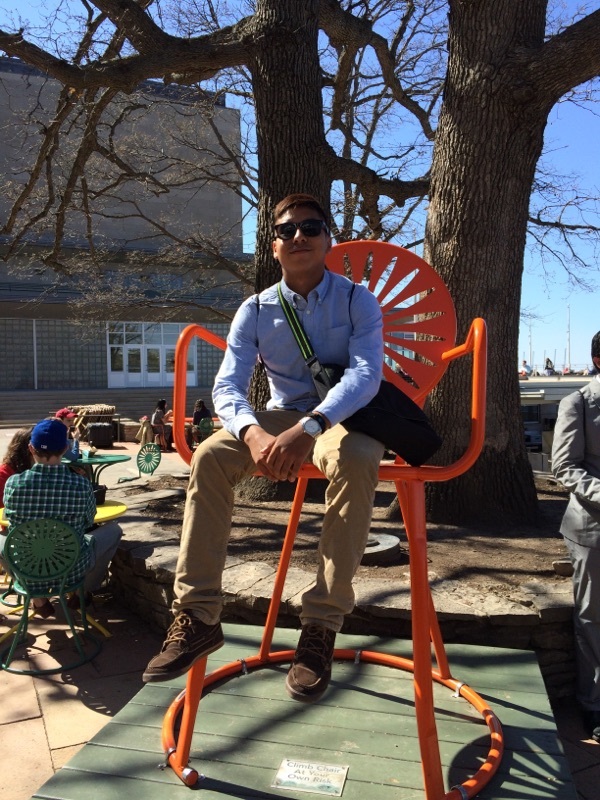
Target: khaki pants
x: 349, y: 461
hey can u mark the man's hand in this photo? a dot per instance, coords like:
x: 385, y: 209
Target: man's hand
x: 259, y: 442
x: 278, y: 458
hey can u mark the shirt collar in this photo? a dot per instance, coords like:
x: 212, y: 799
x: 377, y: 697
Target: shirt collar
x: 321, y: 289
x: 37, y: 467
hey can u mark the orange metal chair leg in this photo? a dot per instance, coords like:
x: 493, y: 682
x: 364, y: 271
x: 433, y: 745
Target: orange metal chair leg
x: 177, y: 751
x: 425, y: 632
x: 412, y: 503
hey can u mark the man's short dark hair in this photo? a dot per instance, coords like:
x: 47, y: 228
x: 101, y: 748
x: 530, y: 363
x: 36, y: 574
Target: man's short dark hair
x: 299, y: 200
x: 596, y: 346
x: 47, y: 454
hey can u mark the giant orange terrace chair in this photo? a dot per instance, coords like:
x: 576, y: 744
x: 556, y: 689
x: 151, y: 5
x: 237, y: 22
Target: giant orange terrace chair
x: 419, y: 340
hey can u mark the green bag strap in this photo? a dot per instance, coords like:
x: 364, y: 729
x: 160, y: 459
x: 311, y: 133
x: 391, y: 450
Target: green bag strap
x: 300, y: 336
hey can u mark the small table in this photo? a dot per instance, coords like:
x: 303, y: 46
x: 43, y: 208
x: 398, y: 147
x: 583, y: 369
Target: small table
x: 107, y: 511
x: 111, y: 509
x: 98, y: 464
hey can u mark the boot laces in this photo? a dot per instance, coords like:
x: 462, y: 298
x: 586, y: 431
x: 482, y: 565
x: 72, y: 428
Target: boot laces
x: 316, y: 644
x: 181, y: 627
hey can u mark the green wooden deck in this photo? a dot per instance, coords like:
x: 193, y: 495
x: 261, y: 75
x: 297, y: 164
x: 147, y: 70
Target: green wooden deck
x: 248, y: 725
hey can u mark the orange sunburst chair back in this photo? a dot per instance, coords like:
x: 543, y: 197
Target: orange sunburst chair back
x: 418, y: 315
x: 419, y: 323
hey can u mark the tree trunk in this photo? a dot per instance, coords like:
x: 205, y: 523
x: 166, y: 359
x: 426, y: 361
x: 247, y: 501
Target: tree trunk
x: 286, y: 80
x: 488, y: 141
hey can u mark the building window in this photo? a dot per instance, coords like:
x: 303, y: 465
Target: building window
x: 116, y: 359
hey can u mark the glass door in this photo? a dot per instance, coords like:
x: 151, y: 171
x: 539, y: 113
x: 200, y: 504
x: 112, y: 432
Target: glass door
x: 116, y: 366
x: 169, y: 366
x: 133, y: 366
x: 154, y: 371
x: 143, y: 354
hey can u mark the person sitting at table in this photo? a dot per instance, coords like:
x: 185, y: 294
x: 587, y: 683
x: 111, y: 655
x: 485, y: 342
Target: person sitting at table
x: 66, y: 416
x: 160, y: 427
x: 200, y: 412
x: 16, y: 459
x: 145, y: 434
x: 49, y: 490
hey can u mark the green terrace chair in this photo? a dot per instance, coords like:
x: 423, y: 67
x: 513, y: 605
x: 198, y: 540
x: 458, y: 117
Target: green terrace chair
x: 148, y: 458
x: 7, y: 591
x: 205, y: 428
x: 44, y: 552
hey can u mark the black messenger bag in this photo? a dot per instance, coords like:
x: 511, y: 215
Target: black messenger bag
x: 391, y: 416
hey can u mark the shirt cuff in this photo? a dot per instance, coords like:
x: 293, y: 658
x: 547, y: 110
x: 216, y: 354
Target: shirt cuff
x: 240, y: 422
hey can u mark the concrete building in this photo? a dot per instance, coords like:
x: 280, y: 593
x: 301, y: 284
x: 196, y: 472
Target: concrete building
x: 108, y: 312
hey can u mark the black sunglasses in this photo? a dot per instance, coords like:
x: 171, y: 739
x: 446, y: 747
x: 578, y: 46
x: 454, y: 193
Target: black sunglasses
x: 308, y: 227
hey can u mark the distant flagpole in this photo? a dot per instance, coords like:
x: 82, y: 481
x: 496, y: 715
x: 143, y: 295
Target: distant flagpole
x: 569, y: 337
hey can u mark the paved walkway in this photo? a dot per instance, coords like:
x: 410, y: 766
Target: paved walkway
x: 44, y: 721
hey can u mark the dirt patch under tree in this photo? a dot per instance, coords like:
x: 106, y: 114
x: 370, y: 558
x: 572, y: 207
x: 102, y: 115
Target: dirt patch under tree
x: 496, y: 559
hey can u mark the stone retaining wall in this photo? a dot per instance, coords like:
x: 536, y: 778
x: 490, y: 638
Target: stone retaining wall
x: 538, y: 617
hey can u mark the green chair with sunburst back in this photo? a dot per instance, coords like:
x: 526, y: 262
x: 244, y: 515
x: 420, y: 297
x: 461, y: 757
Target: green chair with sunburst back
x: 148, y: 458
x: 201, y: 431
x: 43, y: 553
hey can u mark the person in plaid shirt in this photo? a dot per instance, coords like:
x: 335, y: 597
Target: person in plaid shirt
x: 50, y: 490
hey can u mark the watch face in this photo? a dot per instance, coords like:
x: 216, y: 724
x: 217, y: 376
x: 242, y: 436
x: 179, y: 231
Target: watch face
x: 311, y: 426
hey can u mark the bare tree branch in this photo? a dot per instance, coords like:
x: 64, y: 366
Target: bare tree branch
x: 565, y: 61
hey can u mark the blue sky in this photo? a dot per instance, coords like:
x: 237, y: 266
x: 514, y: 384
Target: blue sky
x: 573, y: 137
x: 566, y: 315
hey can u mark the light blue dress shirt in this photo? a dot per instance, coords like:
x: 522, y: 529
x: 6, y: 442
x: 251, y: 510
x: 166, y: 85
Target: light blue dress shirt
x: 344, y: 328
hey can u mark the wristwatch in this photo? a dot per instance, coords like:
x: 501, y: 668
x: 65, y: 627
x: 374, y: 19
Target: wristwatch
x: 311, y: 425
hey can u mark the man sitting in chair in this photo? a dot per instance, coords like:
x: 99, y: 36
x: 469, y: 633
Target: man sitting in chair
x: 49, y: 490
x: 344, y: 325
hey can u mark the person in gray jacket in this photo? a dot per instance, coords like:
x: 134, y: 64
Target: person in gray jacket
x: 576, y: 464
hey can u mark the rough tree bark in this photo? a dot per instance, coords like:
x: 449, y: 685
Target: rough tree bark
x: 286, y: 81
x: 497, y: 97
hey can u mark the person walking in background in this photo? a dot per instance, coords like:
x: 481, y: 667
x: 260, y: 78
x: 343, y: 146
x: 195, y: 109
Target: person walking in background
x: 576, y: 464
x: 16, y: 459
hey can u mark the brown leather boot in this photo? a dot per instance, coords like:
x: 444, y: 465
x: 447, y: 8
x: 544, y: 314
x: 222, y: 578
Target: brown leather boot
x: 310, y: 672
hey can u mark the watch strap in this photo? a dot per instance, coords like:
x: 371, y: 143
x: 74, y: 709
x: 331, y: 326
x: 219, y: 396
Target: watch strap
x: 309, y: 420
x: 318, y: 418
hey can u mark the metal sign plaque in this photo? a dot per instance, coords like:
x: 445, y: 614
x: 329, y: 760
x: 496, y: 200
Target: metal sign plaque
x: 309, y: 776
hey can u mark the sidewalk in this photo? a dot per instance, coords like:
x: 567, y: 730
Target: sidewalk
x: 45, y: 720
